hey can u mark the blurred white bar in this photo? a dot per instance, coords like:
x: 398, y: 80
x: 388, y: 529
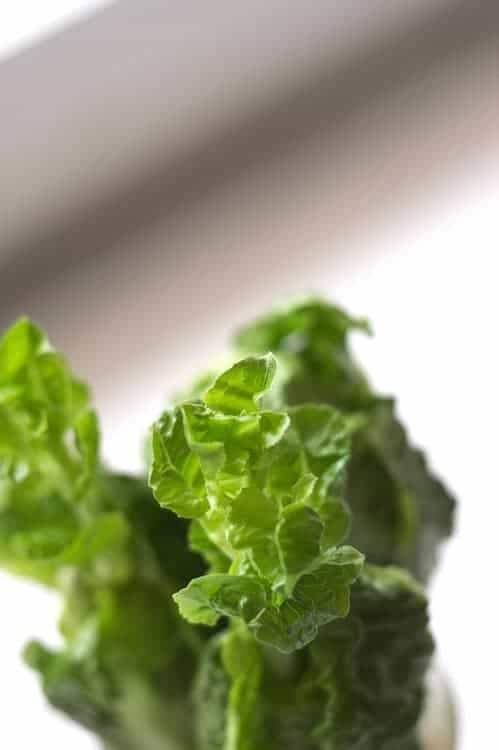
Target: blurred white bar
x: 27, y: 21
x: 164, y: 297
x: 99, y: 106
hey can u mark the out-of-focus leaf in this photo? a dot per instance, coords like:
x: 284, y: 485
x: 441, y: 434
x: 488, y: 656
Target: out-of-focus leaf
x: 49, y: 454
x: 401, y: 512
x: 228, y: 694
x: 127, y: 662
x: 358, y: 686
x: 368, y: 670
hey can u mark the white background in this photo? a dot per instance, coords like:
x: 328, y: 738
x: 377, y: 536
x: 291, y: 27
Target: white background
x: 26, y: 21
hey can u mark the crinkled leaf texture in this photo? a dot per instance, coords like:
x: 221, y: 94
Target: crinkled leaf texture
x: 400, y: 511
x: 370, y: 668
x: 358, y: 686
x: 309, y: 649
x: 264, y: 487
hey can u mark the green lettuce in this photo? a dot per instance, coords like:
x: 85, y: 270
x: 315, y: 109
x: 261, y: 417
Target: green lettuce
x: 401, y: 512
x: 262, y: 590
x: 359, y: 685
x: 104, y: 544
x: 264, y: 488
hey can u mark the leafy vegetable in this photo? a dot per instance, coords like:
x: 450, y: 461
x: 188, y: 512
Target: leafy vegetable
x: 400, y: 511
x: 233, y: 613
x: 102, y: 541
x: 260, y: 485
x: 370, y: 667
x: 358, y: 685
x: 48, y: 448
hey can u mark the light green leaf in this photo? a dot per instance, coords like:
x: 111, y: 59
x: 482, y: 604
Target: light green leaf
x: 239, y: 389
x: 206, y: 599
x: 299, y: 535
x: 264, y: 489
x: 21, y: 343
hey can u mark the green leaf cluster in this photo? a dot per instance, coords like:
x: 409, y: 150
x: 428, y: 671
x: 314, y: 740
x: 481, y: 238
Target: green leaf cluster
x: 264, y: 489
x: 359, y: 685
x: 101, y: 541
x: 48, y: 448
x: 401, y: 512
x: 262, y: 590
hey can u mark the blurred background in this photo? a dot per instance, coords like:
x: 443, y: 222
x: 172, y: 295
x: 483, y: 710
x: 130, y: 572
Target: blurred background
x: 170, y: 169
